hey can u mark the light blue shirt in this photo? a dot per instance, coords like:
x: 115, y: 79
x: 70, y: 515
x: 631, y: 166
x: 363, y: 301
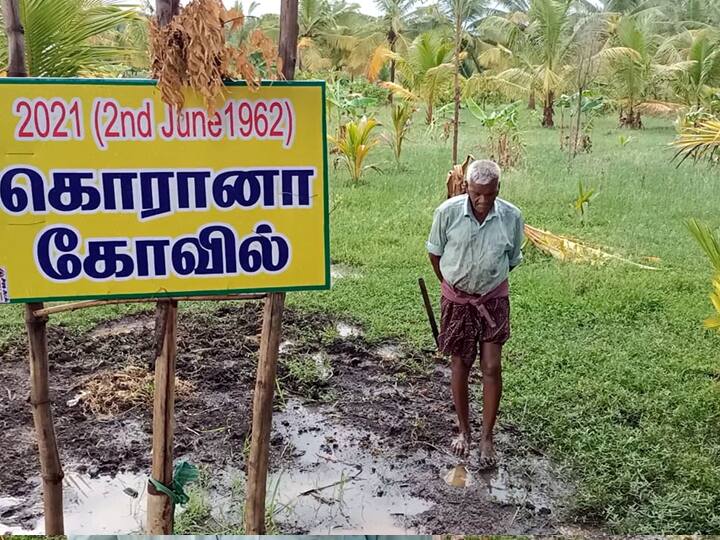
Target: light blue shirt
x: 476, y: 257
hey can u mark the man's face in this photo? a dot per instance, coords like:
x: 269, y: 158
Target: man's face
x: 482, y: 197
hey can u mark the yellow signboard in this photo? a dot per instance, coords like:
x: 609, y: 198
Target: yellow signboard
x: 105, y: 192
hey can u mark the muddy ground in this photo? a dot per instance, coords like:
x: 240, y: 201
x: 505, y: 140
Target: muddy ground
x: 378, y: 416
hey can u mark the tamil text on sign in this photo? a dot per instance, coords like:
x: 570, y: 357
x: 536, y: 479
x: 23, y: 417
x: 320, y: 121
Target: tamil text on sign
x: 107, y: 192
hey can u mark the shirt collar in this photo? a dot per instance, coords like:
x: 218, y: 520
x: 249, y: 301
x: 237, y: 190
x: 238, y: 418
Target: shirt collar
x: 468, y: 210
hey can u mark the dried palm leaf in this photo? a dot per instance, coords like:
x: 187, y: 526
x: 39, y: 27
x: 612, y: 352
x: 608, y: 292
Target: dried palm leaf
x: 192, y: 51
x: 662, y: 109
x: 568, y: 249
x: 698, y: 142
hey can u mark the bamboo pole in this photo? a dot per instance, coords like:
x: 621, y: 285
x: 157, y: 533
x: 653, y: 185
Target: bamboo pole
x: 160, y: 509
x: 74, y: 306
x: 16, y: 39
x: 52, y: 474
x: 257, y: 466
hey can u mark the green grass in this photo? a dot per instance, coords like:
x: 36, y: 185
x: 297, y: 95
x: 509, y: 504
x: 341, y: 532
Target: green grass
x: 609, y: 369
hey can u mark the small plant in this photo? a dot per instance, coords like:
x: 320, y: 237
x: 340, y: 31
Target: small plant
x: 582, y: 202
x: 624, y: 140
x: 354, y: 145
x: 506, y: 146
x: 402, y: 114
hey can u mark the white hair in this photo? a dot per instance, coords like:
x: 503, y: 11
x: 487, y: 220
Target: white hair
x: 483, y: 172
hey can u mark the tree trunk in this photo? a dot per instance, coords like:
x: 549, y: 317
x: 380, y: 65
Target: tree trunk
x: 429, y: 112
x: 548, y: 110
x: 531, y: 103
x: 288, y: 37
x: 16, y: 39
x: 456, y: 116
x: 166, y: 10
x: 392, y: 40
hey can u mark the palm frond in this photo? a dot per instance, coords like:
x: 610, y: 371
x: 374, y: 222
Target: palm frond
x: 699, y: 141
x: 567, y: 249
x: 62, y: 37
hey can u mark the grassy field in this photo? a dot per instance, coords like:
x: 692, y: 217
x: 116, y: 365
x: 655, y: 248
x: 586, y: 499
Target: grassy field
x: 609, y: 369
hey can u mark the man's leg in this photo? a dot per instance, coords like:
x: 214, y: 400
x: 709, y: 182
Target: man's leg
x: 492, y: 390
x: 460, y: 390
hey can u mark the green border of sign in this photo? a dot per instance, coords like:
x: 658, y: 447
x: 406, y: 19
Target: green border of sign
x: 152, y: 82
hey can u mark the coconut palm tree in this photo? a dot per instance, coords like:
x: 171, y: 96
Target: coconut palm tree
x: 699, y: 52
x: 69, y: 38
x: 633, y: 75
x: 546, y: 45
x: 463, y: 14
x: 395, y: 18
x: 425, y: 70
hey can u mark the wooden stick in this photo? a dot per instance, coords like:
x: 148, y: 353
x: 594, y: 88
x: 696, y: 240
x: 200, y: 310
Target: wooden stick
x: 262, y: 414
x: 52, y: 474
x: 288, y: 37
x: 16, y: 39
x: 97, y: 303
x: 160, y: 509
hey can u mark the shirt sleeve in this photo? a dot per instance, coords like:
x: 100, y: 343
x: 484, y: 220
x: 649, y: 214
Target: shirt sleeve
x: 516, y: 256
x: 437, y: 239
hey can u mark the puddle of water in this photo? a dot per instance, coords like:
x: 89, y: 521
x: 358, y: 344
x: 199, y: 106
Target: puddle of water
x: 459, y: 476
x: 322, y: 364
x: 346, y: 330
x: 96, y: 505
x: 342, y: 484
x: 505, y: 487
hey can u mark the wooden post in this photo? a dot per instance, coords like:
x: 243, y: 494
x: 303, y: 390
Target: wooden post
x: 160, y: 509
x: 50, y: 467
x: 16, y: 39
x: 288, y: 37
x: 166, y: 10
x: 257, y: 466
x: 52, y: 474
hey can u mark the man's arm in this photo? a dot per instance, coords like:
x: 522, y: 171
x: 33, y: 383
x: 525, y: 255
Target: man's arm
x: 516, y: 255
x: 436, y: 243
x: 435, y: 261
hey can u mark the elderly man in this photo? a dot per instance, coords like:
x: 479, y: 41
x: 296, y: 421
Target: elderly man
x: 474, y: 243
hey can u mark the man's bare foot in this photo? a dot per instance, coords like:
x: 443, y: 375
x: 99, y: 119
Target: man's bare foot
x: 461, y: 445
x: 488, y: 458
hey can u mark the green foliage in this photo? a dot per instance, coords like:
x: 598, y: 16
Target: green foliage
x: 505, y: 143
x: 401, y: 115
x: 581, y: 205
x: 354, y: 144
x: 70, y: 38
x: 710, y: 244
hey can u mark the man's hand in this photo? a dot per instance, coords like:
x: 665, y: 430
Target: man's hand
x: 435, y: 261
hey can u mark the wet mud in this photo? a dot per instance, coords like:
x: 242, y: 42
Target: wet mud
x: 359, y: 436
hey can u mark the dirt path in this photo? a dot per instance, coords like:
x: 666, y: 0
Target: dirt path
x: 358, y: 444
